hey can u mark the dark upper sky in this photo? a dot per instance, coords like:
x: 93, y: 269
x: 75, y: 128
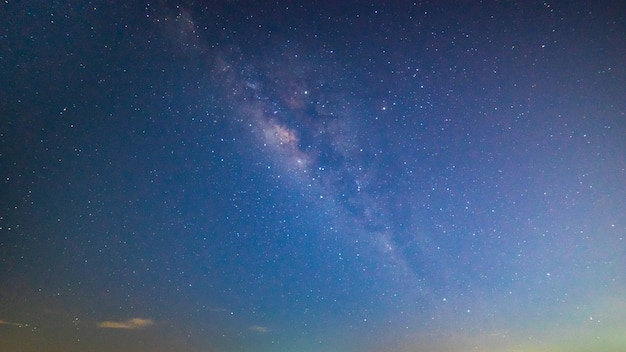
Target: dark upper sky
x: 232, y: 176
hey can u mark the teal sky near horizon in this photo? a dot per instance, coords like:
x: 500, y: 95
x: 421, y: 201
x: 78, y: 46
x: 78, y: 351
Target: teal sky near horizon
x: 284, y: 176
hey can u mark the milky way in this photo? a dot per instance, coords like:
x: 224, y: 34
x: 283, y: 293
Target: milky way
x: 312, y: 177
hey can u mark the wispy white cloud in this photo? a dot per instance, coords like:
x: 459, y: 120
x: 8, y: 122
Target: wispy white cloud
x: 259, y: 329
x: 11, y: 323
x: 130, y: 324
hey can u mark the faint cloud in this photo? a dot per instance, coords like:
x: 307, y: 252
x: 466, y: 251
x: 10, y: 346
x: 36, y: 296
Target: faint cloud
x: 259, y: 329
x: 11, y: 323
x: 130, y: 324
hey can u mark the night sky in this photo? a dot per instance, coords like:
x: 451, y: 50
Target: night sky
x: 333, y: 176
